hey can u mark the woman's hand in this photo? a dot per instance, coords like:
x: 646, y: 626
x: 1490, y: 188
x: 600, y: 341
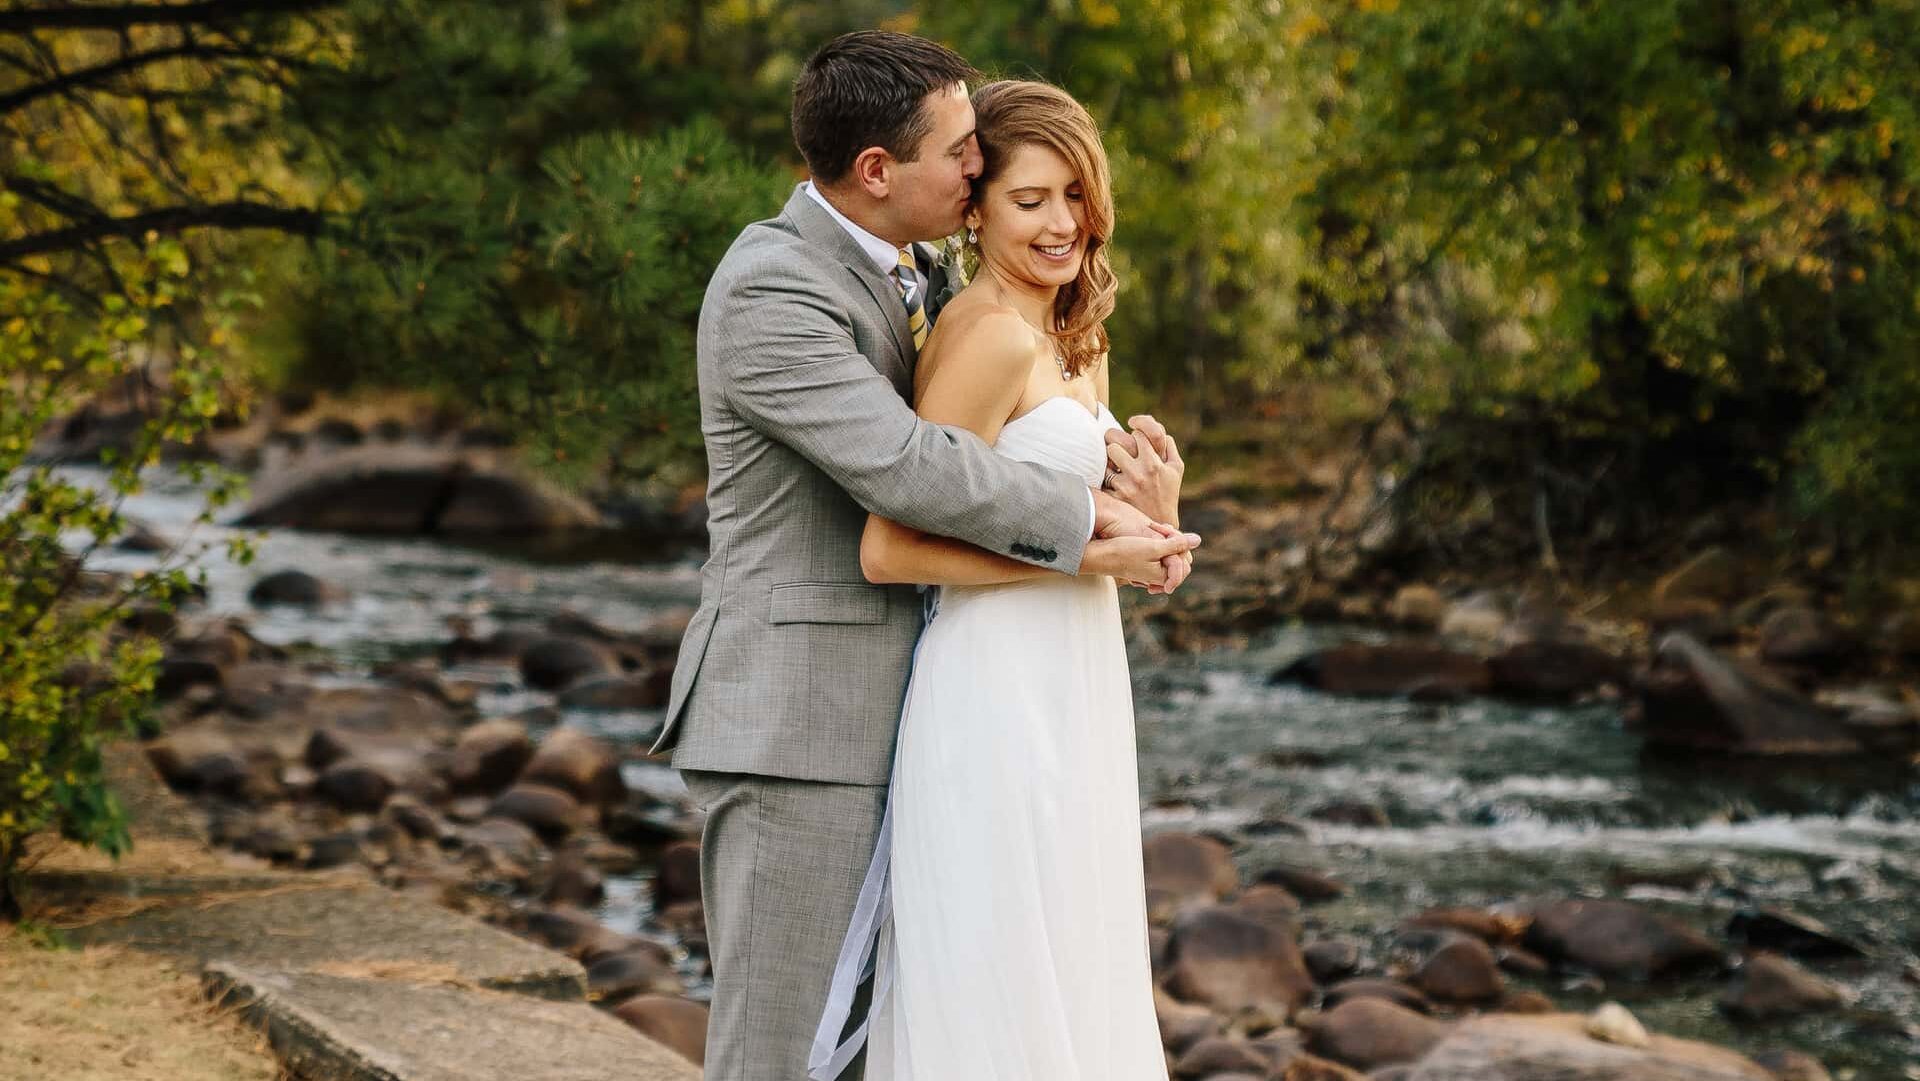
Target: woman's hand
x: 1145, y: 469
x: 1158, y: 564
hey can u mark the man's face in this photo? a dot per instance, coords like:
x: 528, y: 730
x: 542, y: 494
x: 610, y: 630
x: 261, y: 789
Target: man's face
x: 929, y: 194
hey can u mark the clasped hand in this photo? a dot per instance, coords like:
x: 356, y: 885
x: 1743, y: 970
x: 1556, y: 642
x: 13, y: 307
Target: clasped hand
x: 1138, y: 523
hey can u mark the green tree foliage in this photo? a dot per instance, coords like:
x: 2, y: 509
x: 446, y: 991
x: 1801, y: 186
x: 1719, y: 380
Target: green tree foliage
x: 75, y: 670
x: 127, y: 141
x: 527, y: 234
x: 1609, y: 255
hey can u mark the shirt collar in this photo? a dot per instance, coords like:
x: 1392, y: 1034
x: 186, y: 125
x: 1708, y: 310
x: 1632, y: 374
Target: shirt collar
x: 884, y: 255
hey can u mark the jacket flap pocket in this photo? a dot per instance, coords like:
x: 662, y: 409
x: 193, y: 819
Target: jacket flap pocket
x: 828, y: 602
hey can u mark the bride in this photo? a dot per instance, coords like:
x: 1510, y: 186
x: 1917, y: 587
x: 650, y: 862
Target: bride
x: 1004, y: 916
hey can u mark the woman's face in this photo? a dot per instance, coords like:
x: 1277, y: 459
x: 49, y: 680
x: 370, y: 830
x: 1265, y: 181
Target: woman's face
x: 1032, y: 219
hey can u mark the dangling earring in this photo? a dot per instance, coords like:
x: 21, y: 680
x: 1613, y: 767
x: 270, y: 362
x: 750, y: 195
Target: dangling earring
x: 972, y: 237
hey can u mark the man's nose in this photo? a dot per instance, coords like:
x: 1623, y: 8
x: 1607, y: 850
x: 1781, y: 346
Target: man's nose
x: 971, y: 163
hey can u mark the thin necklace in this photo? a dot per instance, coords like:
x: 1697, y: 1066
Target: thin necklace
x: 1059, y: 354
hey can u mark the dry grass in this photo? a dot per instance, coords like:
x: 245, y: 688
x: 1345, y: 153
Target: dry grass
x: 104, y: 1014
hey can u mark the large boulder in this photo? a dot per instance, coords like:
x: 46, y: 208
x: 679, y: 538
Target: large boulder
x: 413, y: 490
x: 1399, y: 670
x: 1229, y: 960
x: 1508, y: 1047
x: 1618, y: 939
x: 1698, y: 700
x: 294, y: 588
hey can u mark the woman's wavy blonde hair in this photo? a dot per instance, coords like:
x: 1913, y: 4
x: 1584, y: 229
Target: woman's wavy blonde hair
x: 1013, y: 113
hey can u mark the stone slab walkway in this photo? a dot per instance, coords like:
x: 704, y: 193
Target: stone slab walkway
x: 327, y: 1026
x: 350, y: 981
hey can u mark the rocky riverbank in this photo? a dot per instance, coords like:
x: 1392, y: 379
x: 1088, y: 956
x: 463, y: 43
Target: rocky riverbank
x: 456, y: 726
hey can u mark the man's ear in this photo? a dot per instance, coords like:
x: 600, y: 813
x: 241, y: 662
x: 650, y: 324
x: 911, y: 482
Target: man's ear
x: 873, y: 171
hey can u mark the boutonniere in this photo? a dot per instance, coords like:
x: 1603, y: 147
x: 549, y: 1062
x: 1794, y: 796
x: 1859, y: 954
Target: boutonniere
x: 954, y: 273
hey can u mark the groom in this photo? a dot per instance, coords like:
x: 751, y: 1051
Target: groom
x: 791, y: 675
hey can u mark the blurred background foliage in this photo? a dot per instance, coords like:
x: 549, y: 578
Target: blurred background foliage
x: 1570, y: 264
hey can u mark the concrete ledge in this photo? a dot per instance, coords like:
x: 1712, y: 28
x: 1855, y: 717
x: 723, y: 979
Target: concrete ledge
x: 304, y: 927
x: 338, y: 1028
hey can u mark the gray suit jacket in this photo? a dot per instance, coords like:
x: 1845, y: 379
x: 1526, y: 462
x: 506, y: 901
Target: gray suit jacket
x: 794, y: 665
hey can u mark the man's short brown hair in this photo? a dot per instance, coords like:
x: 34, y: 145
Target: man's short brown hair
x: 867, y: 89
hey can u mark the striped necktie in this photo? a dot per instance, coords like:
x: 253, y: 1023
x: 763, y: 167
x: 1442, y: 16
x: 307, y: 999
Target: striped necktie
x: 908, y: 281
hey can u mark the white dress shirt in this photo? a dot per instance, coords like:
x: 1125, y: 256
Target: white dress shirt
x: 886, y: 257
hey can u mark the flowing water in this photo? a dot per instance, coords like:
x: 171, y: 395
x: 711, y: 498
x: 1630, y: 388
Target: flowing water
x: 1486, y: 802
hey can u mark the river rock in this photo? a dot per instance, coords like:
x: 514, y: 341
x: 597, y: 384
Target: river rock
x: 579, y: 763
x: 1615, y: 1024
x: 1393, y: 991
x: 1305, y: 1067
x: 1617, y: 939
x: 1769, y: 986
x: 1185, y: 868
x: 1525, y: 1002
x: 1331, y: 959
x: 1481, y: 616
x: 1698, y: 700
x: 1881, y: 722
x: 1789, y: 933
x: 294, y: 588
x: 1181, y: 1024
x: 1307, y: 884
x: 675, y: 1023
x: 1551, y: 670
x: 678, y: 875
x: 354, y: 785
x: 509, y: 839
x: 1462, y: 971
x: 1802, y: 637
x: 645, y: 691
x: 204, y: 761
x: 547, y: 811
x: 1787, y: 1065
x: 574, y: 880
x: 1506, y: 1047
x: 1522, y: 962
x: 574, y: 933
x: 1371, y: 1032
x: 1417, y: 607
x: 489, y: 755
x: 557, y: 661
x: 1219, y: 1054
x: 1400, y: 670
x: 1230, y: 961
x: 1490, y: 927
x: 1272, y: 906
x: 643, y: 969
x: 412, y: 490
x: 1361, y: 813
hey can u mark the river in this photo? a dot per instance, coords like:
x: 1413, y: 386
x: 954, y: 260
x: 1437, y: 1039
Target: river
x: 1486, y: 802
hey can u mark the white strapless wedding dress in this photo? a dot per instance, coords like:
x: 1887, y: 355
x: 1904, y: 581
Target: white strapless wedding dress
x: 1004, y: 914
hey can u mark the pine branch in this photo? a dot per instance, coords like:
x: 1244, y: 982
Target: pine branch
x: 122, y: 16
x: 236, y: 214
x: 67, y: 81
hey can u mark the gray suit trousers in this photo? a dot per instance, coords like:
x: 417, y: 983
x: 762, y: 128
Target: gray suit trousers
x: 781, y: 864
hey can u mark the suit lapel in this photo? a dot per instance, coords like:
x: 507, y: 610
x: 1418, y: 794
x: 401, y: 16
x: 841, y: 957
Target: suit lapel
x: 818, y: 227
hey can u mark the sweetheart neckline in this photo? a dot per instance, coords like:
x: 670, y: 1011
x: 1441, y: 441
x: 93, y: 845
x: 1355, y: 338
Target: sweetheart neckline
x: 1091, y: 414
